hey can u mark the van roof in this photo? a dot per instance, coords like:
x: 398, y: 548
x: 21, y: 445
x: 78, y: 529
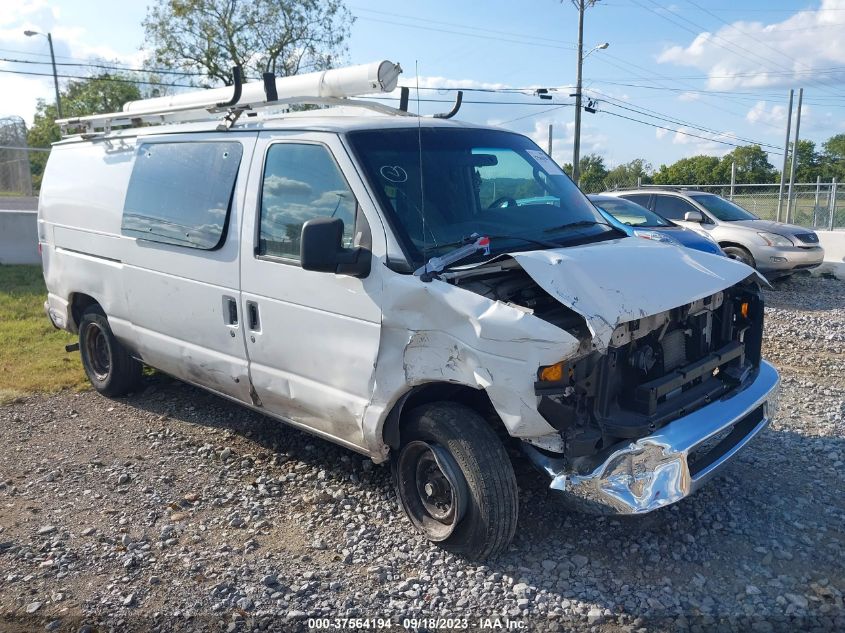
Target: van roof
x: 334, y: 119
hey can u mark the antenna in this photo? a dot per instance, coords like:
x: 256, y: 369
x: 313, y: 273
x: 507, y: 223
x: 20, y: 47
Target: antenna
x: 419, y: 145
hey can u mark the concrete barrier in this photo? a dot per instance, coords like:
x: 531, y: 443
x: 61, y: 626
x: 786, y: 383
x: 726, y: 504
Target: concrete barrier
x: 833, y: 243
x: 19, y: 237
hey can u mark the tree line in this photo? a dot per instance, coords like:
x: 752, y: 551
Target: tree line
x: 204, y: 38
x: 752, y: 166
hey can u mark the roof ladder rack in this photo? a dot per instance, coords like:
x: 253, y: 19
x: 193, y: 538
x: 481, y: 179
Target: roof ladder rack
x: 333, y: 87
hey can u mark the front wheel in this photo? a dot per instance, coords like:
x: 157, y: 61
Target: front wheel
x: 455, y: 480
x: 110, y: 368
x: 740, y: 254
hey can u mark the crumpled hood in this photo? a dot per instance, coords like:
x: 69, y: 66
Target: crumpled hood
x: 610, y: 283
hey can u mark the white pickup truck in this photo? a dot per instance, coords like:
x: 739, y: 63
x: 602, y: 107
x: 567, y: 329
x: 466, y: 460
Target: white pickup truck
x: 372, y: 278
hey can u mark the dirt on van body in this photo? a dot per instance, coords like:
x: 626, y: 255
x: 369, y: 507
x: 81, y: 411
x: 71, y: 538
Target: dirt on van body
x: 173, y: 509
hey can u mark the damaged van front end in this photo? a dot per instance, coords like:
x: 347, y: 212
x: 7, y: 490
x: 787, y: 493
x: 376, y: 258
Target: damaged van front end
x: 655, y: 381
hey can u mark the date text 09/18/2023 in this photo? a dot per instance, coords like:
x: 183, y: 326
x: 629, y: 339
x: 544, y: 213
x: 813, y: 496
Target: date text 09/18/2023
x: 415, y: 624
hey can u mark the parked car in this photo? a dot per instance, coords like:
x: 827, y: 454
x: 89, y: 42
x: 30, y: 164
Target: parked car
x: 372, y: 280
x: 773, y: 248
x: 637, y: 221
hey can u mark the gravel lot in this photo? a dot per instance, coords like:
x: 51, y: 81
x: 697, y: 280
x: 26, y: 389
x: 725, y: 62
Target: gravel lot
x: 174, y: 509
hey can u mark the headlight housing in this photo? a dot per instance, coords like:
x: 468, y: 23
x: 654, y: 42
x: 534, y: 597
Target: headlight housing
x: 655, y: 236
x: 773, y: 239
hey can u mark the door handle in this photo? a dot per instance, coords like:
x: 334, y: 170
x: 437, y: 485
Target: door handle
x: 253, y: 320
x: 230, y: 311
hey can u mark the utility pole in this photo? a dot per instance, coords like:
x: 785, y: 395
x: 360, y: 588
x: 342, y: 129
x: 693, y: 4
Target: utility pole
x: 794, y: 156
x: 785, y: 154
x: 55, y: 74
x: 576, y: 143
x: 581, y: 5
x: 551, y: 127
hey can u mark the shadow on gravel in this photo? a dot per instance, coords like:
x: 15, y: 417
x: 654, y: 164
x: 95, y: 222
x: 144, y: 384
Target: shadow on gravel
x: 775, y: 517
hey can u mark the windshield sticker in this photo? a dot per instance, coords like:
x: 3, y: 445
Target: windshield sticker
x: 544, y: 161
x: 393, y: 173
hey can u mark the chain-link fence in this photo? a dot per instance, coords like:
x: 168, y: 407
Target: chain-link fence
x: 15, y: 176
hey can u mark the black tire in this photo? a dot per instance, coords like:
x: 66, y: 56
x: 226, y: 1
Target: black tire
x: 740, y: 254
x: 110, y: 368
x: 482, y: 513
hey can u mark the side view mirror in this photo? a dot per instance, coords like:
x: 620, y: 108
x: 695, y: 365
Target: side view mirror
x: 321, y: 249
x: 694, y: 216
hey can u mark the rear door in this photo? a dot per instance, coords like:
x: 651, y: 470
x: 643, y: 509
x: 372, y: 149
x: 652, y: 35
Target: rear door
x: 312, y: 338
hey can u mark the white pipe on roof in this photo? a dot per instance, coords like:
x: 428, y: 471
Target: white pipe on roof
x: 337, y: 83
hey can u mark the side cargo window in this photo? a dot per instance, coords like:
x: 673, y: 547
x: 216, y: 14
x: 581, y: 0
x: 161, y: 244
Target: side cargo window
x: 301, y: 182
x: 181, y: 193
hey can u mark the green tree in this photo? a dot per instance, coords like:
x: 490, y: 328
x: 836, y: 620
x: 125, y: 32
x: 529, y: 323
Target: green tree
x: 101, y: 93
x: 695, y: 170
x: 593, y: 173
x: 833, y: 158
x: 284, y: 37
x: 809, y: 165
x: 752, y: 165
x: 627, y: 174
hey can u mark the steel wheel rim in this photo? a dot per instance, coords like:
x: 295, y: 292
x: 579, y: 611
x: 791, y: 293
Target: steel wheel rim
x: 432, y: 488
x: 98, y: 351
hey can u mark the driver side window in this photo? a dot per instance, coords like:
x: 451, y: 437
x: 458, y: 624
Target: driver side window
x: 301, y: 182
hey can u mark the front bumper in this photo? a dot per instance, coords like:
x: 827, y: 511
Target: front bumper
x: 662, y: 468
x: 774, y: 258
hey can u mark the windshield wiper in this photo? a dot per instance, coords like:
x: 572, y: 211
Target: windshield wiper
x: 572, y: 225
x: 466, y: 248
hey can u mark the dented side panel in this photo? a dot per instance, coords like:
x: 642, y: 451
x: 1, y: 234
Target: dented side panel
x: 436, y: 332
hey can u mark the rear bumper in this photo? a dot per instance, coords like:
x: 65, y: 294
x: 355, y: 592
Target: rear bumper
x: 662, y: 468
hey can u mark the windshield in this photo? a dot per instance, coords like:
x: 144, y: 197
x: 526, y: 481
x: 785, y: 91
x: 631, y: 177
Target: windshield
x: 724, y: 210
x: 441, y: 185
x: 630, y: 213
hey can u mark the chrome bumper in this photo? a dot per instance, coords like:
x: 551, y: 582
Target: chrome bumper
x: 660, y: 469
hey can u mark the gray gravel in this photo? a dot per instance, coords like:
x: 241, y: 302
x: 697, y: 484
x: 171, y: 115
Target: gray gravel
x: 175, y: 510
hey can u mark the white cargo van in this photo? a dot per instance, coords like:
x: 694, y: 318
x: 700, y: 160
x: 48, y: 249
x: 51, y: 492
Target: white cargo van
x: 378, y: 279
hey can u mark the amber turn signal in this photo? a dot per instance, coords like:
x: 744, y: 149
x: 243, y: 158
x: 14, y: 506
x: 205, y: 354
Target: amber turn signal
x: 552, y: 373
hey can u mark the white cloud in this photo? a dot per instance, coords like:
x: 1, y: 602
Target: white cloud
x: 689, y: 96
x: 563, y: 137
x: 754, y: 54
x: 20, y: 92
x: 660, y: 132
x: 761, y: 113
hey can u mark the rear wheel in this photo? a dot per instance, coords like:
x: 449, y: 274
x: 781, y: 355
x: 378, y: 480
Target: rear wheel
x: 455, y: 481
x: 110, y: 368
x: 740, y: 254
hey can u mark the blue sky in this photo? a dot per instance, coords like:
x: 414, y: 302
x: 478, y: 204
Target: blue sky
x: 717, y: 69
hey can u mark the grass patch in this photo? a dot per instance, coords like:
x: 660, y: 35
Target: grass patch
x: 32, y: 352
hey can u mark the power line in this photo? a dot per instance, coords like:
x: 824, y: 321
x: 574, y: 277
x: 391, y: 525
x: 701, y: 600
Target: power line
x: 464, y: 33
x: 96, y: 78
x: 669, y: 129
x: 152, y: 71
x: 669, y: 119
x: 749, y: 97
x: 530, y: 36
x: 728, y: 46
